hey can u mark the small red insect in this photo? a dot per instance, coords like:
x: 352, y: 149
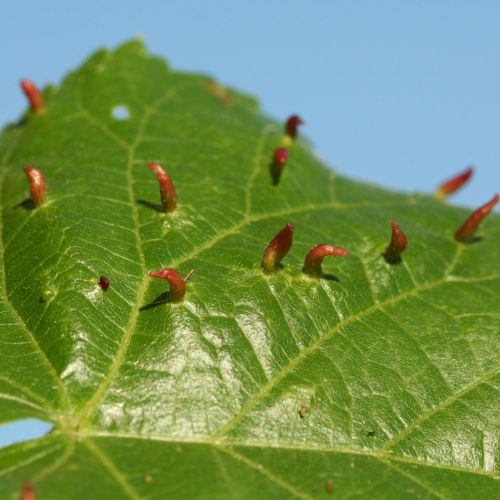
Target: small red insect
x: 292, y: 124
x: 176, y: 281
x: 277, y: 249
x: 398, y: 243
x: 280, y: 157
x: 34, y: 95
x: 312, y: 263
x: 37, y: 184
x: 104, y: 283
x: 168, y: 194
x: 455, y: 183
x: 468, y: 228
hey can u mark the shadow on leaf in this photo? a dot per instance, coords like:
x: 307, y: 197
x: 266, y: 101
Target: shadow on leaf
x: 27, y: 204
x: 394, y: 260
x: 153, y: 206
x: 163, y: 298
x: 329, y: 277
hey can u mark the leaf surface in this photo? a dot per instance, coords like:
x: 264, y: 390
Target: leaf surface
x: 396, y: 365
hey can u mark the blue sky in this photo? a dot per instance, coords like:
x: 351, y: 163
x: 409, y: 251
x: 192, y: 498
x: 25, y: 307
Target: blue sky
x: 402, y: 94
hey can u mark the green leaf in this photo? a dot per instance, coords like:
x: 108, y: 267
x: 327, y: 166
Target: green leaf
x: 396, y: 365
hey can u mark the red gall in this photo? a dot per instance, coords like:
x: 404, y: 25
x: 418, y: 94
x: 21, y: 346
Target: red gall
x: 280, y: 157
x: 454, y: 183
x: 466, y: 231
x: 33, y: 95
x: 398, y: 243
x: 312, y: 263
x: 168, y: 194
x: 277, y: 249
x: 292, y: 124
x: 176, y: 281
x: 37, y: 184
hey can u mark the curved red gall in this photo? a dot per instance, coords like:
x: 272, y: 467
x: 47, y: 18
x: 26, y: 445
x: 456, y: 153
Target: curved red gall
x: 33, y: 95
x: 168, y: 194
x: 453, y: 184
x: 398, y: 243
x: 292, y: 124
x: 277, y: 249
x: 176, y: 281
x: 315, y: 256
x: 466, y: 231
x: 38, y: 186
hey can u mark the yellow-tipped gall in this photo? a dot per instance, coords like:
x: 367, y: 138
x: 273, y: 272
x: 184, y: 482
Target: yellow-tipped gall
x: 277, y: 249
x: 454, y: 183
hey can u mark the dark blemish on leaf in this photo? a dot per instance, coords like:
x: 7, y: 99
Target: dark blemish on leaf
x: 291, y: 126
x: 315, y: 256
x: 38, y: 185
x: 397, y: 245
x: 120, y: 112
x: 28, y: 492
x: 220, y: 92
x: 34, y: 96
x: 329, y: 487
x: 454, y: 184
x: 176, y: 281
x: 104, y: 283
x: 277, y: 249
x: 370, y: 433
x: 302, y: 411
x: 466, y: 231
x: 168, y: 194
x: 278, y: 162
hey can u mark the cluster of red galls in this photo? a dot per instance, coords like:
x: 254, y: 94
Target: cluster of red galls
x: 282, y: 242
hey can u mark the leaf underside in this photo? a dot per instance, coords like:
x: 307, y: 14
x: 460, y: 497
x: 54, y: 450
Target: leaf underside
x: 395, y: 364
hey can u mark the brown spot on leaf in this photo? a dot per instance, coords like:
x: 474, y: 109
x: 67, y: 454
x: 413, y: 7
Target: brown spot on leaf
x: 302, y: 411
x: 221, y: 93
x: 329, y: 486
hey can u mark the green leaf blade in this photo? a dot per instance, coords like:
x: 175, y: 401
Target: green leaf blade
x: 396, y: 365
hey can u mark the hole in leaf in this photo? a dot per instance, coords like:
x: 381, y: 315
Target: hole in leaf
x: 120, y: 112
x: 23, y: 430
